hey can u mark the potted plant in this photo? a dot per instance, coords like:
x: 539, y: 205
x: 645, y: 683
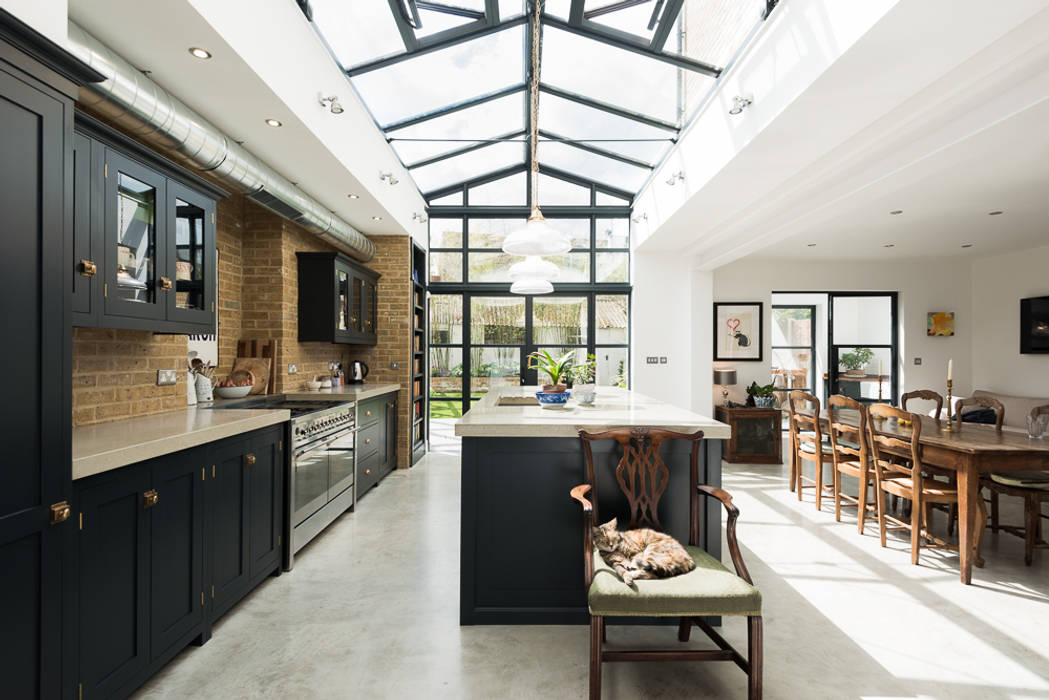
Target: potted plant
x: 761, y: 396
x: 584, y: 377
x: 556, y: 368
x: 854, y: 362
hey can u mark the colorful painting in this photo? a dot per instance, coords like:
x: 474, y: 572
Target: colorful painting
x: 940, y: 323
x: 738, y: 331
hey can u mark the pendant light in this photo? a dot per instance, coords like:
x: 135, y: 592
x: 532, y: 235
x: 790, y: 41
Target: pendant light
x: 537, y: 238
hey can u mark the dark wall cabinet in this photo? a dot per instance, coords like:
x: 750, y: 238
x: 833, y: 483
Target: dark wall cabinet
x: 143, y: 238
x: 338, y: 300
x: 167, y: 546
x: 376, y: 441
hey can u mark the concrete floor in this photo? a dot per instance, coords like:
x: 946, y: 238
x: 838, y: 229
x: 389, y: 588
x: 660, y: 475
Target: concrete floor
x: 371, y: 611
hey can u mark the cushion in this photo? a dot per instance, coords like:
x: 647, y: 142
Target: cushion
x: 1017, y: 408
x: 1025, y: 480
x: 811, y: 448
x: 709, y: 589
x: 980, y: 415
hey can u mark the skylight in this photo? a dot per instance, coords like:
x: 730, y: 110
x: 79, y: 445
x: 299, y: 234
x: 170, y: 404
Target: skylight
x: 447, y: 81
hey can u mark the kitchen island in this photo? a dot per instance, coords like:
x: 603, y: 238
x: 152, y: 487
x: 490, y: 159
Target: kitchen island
x: 521, y: 533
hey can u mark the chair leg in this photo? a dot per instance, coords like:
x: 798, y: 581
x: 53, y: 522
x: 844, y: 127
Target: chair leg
x: 595, y: 658
x: 819, y: 483
x: 1030, y: 528
x: 797, y: 476
x: 864, y: 487
x: 793, y: 467
x: 981, y: 526
x: 604, y: 630
x: 917, y: 511
x: 994, y: 511
x: 684, y: 629
x: 754, y: 657
x: 880, y: 496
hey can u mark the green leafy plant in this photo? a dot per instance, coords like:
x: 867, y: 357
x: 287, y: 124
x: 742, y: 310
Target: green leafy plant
x: 756, y: 389
x: 586, y: 372
x: 856, y: 359
x: 555, y: 368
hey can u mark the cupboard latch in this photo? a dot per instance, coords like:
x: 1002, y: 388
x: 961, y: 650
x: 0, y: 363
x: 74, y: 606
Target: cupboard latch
x: 249, y: 459
x: 150, y: 498
x: 88, y: 268
x: 60, y: 512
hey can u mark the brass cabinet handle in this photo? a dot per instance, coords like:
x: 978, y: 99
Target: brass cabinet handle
x: 367, y: 413
x: 60, y: 512
x: 249, y: 459
x: 150, y: 498
x: 367, y: 441
x: 165, y: 284
x: 88, y: 268
x: 367, y: 471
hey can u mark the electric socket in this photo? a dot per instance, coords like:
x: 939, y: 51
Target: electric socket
x: 917, y: 360
x: 395, y: 365
x: 662, y: 360
x: 293, y: 368
x: 651, y: 360
x: 166, y: 377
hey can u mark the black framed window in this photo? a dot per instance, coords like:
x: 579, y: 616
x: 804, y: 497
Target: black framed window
x: 794, y: 347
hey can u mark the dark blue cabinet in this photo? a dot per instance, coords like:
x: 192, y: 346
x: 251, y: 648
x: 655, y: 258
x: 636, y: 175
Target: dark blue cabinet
x: 167, y: 546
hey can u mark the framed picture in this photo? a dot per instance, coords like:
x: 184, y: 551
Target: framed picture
x: 738, y: 328
x: 940, y: 323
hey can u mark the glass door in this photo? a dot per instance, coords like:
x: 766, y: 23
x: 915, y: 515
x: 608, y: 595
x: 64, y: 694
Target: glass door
x: 793, y: 348
x: 863, y: 341
x: 137, y: 284
x: 191, y: 222
x: 559, y: 324
x: 497, y: 342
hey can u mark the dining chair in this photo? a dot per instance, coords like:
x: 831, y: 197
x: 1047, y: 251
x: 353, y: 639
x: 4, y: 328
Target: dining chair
x: 848, y: 443
x: 810, y: 445
x: 924, y: 395
x: 710, y: 589
x: 1033, y: 488
x: 898, y: 471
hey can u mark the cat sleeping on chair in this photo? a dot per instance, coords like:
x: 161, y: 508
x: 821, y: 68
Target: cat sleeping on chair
x: 641, y: 553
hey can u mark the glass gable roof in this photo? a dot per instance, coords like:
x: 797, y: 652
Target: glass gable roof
x: 448, y: 82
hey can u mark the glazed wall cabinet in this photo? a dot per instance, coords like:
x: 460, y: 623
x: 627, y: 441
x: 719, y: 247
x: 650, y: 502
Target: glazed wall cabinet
x: 165, y: 547
x: 143, y: 238
x: 338, y: 300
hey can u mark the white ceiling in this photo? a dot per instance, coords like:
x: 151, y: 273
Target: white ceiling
x: 328, y: 156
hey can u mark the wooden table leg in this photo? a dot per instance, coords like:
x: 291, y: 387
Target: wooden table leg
x: 968, y: 492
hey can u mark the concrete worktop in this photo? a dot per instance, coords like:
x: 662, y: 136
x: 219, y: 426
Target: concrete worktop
x: 348, y: 392
x: 100, y: 448
x: 614, y: 407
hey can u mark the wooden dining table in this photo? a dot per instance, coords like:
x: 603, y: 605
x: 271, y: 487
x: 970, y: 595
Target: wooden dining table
x: 974, y: 450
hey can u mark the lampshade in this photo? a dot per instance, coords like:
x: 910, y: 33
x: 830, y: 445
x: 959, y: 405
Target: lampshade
x: 725, y: 377
x: 531, y: 286
x: 533, y: 267
x: 536, y: 238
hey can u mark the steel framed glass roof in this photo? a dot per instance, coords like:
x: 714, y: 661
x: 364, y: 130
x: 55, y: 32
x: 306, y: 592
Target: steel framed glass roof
x: 448, y: 84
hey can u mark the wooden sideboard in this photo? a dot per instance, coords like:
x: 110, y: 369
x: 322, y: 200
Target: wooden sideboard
x: 757, y: 434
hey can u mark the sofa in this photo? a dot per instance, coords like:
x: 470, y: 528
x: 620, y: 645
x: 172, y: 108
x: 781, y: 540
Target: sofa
x: 1017, y: 408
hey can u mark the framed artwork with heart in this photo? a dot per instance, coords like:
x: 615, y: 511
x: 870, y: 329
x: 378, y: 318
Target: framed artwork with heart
x: 738, y: 331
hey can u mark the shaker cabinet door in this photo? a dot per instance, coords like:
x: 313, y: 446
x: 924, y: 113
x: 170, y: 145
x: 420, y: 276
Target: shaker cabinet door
x: 191, y: 256
x: 87, y: 230
x: 228, y: 523
x: 265, y: 476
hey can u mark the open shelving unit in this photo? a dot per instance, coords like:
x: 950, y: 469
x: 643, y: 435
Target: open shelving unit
x: 419, y: 409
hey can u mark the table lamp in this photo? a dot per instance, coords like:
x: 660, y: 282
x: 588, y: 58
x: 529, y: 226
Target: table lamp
x: 725, y: 378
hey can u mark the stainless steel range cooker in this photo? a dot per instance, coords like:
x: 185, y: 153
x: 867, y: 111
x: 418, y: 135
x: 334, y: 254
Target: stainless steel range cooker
x: 320, y: 472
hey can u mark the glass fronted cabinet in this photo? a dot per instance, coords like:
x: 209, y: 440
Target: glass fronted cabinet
x: 338, y: 299
x: 144, y: 238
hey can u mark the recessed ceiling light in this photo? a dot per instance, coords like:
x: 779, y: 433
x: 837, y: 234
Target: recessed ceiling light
x: 274, y: 122
x: 812, y: 245
x: 889, y: 245
x: 896, y: 212
x: 376, y: 218
x: 199, y: 52
x: 967, y: 245
x: 994, y: 213
x: 353, y: 196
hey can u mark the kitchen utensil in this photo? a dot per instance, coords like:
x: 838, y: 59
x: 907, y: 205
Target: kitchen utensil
x: 259, y: 367
x: 233, y: 392
x: 191, y: 388
x: 358, y: 371
x: 204, y: 389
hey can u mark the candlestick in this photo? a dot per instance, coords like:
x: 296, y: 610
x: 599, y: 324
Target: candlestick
x: 950, y: 427
x: 950, y: 370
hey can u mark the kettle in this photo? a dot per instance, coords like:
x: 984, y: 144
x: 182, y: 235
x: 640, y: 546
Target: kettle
x: 358, y: 371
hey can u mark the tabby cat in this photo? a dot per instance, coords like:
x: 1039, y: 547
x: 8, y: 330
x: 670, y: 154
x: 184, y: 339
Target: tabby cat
x: 641, y: 553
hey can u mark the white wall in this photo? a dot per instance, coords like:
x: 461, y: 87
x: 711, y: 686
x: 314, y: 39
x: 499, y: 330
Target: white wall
x: 661, y: 323
x: 998, y: 284
x: 46, y: 16
x: 923, y: 286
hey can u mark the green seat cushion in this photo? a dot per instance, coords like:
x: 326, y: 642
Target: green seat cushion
x: 811, y: 448
x: 1025, y: 480
x: 848, y: 443
x: 709, y: 589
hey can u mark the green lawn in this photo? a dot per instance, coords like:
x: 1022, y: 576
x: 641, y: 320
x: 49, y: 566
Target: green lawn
x: 451, y: 408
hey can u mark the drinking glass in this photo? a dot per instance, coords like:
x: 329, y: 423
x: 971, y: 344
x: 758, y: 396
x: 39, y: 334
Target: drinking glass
x: 1036, y: 424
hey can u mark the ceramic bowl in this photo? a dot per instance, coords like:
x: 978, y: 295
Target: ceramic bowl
x: 233, y: 392
x: 552, y: 400
x: 313, y: 385
x: 585, y: 395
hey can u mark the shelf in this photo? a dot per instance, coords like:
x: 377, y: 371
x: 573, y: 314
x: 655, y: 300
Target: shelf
x: 420, y: 397
x: 417, y: 421
x: 417, y: 376
x: 419, y: 308
x: 418, y: 330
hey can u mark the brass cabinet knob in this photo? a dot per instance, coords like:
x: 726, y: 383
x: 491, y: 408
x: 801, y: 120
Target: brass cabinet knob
x: 367, y: 441
x: 367, y: 413
x: 165, y: 284
x: 60, y: 512
x: 88, y: 268
x: 249, y: 459
x: 150, y: 498
x: 367, y: 471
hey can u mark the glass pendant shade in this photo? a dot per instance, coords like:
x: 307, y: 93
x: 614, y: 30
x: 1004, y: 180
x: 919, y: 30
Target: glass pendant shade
x: 531, y: 286
x: 537, y: 238
x: 535, y: 268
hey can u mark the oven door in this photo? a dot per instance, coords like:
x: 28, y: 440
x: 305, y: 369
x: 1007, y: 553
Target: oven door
x: 341, y: 463
x: 310, y: 480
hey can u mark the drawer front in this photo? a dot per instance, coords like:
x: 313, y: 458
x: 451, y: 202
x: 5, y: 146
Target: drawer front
x: 370, y: 412
x: 372, y: 439
x: 369, y: 470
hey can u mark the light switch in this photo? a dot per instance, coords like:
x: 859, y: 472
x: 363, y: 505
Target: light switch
x: 662, y: 360
x: 293, y: 369
x: 651, y: 360
x: 395, y: 365
x: 166, y: 377
x: 917, y: 360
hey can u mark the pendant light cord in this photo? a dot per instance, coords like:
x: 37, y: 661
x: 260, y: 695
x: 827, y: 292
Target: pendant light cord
x: 534, y: 96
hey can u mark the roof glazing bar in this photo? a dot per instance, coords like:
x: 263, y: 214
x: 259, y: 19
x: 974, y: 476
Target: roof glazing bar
x: 480, y: 143
x: 454, y: 107
x: 585, y: 182
x: 607, y: 107
x: 582, y: 145
x: 479, y: 180
x: 666, y: 23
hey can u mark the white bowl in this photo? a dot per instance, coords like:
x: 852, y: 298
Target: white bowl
x: 233, y: 392
x: 313, y: 385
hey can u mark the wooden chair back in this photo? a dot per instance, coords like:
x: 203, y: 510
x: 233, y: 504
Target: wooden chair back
x: 839, y: 430
x: 1040, y: 411
x: 642, y: 474
x: 805, y: 426
x: 926, y: 395
x: 894, y: 454
x: 984, y: 402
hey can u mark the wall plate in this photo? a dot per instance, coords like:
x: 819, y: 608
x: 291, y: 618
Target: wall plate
x: 293, y: 369
x: 166, y: 377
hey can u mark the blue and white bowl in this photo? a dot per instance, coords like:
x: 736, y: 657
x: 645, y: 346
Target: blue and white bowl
x: 552, y: 400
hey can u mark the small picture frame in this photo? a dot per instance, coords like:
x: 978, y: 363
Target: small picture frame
x: 940, y: 323
x: 738, y: 331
